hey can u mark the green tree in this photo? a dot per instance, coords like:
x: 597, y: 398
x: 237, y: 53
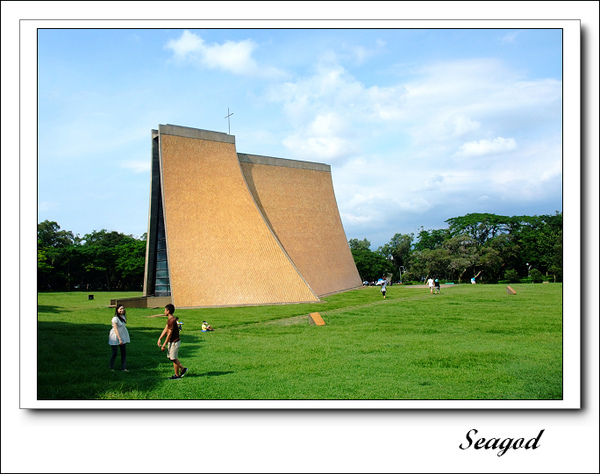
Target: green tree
x: 490, y: 263
x: 44, y: 265
x: 556, y: 260
x: 398, y: 251
x: 508, y: 250
x: 436, y: 262
x: 112, y: 259
x: 370, y: 265
x: 418, y: 265
x: 99, y: 260
x: 463, y: 254
x: 130, y: 262
x: 540, y: 237
x: 55, y: 248
x: 536, y: 276
x: 512, y: 276
x: 482, y: 243
x: 431, y: 239
x: 50, y: 235
x: 480, y: 226
x: 356, y: 244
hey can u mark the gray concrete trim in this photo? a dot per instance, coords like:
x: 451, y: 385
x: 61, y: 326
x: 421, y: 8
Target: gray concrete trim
x: 151, y: 236
x: 287, y: 163
x: 188, y: 132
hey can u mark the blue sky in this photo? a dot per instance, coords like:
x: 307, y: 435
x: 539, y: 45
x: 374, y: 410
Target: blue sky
x: 418, y: 125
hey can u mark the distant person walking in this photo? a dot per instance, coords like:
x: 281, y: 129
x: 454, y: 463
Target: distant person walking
x: 171, y: 335
x: 438, y: 289
x: 383, y: 288
x: 430, y: 282
x: 118, y: 337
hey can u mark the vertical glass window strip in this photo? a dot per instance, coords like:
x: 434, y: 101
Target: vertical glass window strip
x: 162, y: 286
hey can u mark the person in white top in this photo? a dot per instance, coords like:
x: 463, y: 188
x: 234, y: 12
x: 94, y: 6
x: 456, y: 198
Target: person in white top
x: 430, y: 282
x: 118, y: 337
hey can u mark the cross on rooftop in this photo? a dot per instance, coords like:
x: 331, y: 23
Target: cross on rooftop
x: 228, y: 120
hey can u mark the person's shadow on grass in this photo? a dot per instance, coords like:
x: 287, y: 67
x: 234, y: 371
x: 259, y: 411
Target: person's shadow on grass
x: 208, y: 374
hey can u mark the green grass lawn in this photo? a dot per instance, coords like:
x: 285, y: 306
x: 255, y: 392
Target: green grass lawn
x: 469, y: 343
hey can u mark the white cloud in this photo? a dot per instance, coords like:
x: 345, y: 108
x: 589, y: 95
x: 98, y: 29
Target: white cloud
x: 188, y: 44
x: 467, y: 100
x: 487, y: 147
x: 329, y: 109
x: 402, y: 149
x: 231, y: 56
x: 323, y: 138
x: 462, y: 125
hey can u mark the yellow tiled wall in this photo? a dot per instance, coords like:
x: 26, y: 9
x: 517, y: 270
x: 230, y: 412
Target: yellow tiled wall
x: 300, y: 206
x: 220, y: 249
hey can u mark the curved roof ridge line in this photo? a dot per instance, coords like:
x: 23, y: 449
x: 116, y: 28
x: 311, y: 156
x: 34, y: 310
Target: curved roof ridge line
x: 285, y: 162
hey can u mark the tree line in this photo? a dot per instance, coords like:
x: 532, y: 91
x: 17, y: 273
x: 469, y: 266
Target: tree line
x: 100, y: 260
x: 488, y: 247
x: 484, y: 246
